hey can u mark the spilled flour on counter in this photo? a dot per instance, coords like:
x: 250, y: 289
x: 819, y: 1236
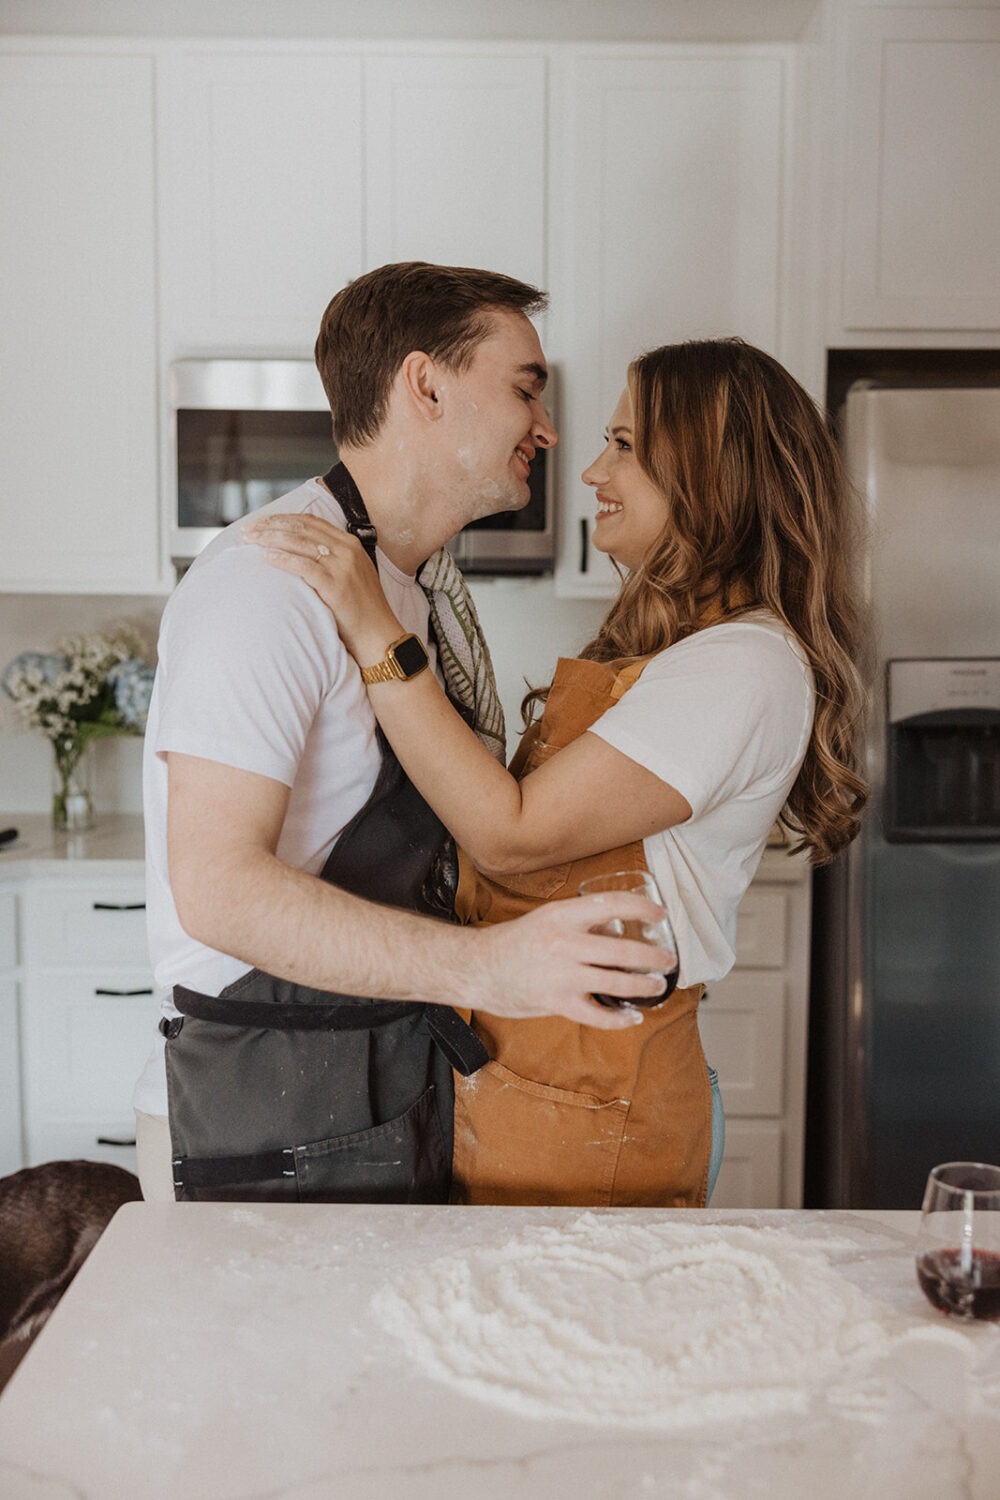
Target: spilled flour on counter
x: 659, y: 1325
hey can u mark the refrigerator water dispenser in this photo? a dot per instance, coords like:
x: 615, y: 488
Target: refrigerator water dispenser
x: 943, y: 752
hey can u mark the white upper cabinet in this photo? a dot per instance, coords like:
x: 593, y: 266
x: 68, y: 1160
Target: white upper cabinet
x: 671, y: 174
x: 283, y: 175
x: 78, y: 421
x: 921, y: 197
x: 456, y: 161
x: 261, y: 198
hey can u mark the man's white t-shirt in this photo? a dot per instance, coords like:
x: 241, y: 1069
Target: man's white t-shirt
x: 724, y: 717
x: 252, y: 673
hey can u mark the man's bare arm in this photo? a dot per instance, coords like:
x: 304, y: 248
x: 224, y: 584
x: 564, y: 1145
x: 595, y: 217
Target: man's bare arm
x: 234, y: 894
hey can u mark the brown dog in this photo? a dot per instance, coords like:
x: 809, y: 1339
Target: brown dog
x: 51, y: 1217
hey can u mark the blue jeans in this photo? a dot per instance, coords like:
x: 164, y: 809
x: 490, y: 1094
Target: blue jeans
x: 718, y: 1133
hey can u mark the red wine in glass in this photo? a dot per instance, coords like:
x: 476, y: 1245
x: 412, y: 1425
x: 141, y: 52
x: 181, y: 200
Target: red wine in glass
x: 972, y: 1292
x: 661, y: 932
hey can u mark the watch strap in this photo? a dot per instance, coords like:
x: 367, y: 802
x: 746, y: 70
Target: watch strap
x: 390, y: 669
x: 385, y: 670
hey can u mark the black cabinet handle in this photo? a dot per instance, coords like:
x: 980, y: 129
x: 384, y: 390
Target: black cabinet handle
x: 123, y: 992
x: 119, y: 906
x: 110, y: 1140
x: 584, y: 545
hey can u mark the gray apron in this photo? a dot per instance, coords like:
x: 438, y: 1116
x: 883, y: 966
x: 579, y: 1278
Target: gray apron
x: 281, y: 1092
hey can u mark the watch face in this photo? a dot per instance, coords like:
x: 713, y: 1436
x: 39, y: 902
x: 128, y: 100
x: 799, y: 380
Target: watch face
x: 410, y: 655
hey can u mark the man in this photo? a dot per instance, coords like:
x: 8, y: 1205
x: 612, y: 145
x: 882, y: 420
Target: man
x: 309, y: 1047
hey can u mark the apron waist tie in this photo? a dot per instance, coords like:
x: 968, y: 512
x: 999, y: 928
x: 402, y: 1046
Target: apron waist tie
x: 454, y: 1036
x: 462, y: 1047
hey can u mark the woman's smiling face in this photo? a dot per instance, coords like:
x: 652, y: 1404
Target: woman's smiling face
x: 631, y: 509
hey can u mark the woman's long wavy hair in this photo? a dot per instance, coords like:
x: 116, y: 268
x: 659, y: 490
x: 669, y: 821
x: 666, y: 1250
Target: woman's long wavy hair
x: 759, y: 515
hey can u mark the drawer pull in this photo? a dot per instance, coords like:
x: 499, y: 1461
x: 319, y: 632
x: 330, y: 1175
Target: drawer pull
x: 584, y: 545
x: 119, y: 906
x: 110, y: 1140
x: 123, y: 992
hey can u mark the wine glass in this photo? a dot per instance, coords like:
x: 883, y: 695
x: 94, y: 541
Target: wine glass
x: 641, y: 883
x: 958, y: 1263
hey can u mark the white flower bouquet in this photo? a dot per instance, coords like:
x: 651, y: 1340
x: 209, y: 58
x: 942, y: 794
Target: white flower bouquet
x: 89, y: 687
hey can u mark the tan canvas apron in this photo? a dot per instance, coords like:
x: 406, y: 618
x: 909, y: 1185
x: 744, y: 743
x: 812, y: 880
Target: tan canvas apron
x: 564, y: 1113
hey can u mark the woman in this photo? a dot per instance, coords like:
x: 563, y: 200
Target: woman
x: 718, y: 695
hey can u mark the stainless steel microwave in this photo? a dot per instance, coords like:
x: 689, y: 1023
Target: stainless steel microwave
x: 244, y: 431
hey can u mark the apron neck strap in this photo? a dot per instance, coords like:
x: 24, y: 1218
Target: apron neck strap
x: 340, y: 483
x: 627, y: 677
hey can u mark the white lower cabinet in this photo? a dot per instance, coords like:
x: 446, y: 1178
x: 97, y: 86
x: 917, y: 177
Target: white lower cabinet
x: 753, y: 1028
x: 750, y: 1176
x: 88, y: 1017
x: 78, y: 1015
x: 11, y: 1145
x: 742, y: 1026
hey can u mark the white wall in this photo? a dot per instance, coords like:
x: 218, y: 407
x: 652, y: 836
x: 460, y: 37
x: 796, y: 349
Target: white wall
x: 527, y: 628
x: 526, y: 625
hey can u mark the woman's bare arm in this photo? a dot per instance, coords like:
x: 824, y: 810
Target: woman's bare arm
x: 586, y: 798
x: 234, y: 894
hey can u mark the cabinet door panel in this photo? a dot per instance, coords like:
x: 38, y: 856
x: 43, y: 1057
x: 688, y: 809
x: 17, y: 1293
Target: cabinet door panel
x: 11, y: 1159
x: 742, y: 1025
x: 261, y: 197
x: 676, y: 226
x: 761, y: 929
x: 84, y: 1050
x: 697, y: 144
x: 750, y: 1176
x: 78, y: 454
x: 456, y: 162
x: 922, y: 211
x: 94, y: 925
x: 8, y: 930
x: 84, y: 1140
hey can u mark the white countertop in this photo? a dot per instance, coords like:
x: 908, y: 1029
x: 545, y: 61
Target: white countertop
x: 119, y: 839
x: 213, y: 1351
x: 114, y: 846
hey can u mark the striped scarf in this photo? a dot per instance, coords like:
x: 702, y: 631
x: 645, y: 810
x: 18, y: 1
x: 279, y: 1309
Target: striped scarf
x: 462, y: 650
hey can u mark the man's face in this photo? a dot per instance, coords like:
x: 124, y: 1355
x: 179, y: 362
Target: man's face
x: 495, y: 419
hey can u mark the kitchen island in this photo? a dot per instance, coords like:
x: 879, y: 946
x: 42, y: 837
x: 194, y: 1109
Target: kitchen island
x: 216, y: 1351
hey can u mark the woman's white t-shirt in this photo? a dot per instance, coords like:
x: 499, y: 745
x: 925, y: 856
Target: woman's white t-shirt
x: 724, y: 717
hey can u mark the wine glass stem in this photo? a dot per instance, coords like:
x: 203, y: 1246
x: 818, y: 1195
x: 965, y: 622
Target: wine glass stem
x: 965, y: 1259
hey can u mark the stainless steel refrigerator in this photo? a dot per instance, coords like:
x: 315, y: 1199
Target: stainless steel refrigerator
x: 909, y: 996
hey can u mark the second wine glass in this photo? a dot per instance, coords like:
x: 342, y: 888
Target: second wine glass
x: 958, y: 1263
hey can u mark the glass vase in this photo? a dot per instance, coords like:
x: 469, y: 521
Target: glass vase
x: 72, y: 790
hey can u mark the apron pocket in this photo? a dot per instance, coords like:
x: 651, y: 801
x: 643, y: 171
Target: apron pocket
x: 521, y: 1142
x: 534, y: 887
x: 263, y: 1114
x: 401, y: 1161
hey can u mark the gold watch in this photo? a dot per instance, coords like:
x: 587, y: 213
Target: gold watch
x: 404, y: 659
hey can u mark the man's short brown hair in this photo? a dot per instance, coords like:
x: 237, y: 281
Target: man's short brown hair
x: 376, y: 321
